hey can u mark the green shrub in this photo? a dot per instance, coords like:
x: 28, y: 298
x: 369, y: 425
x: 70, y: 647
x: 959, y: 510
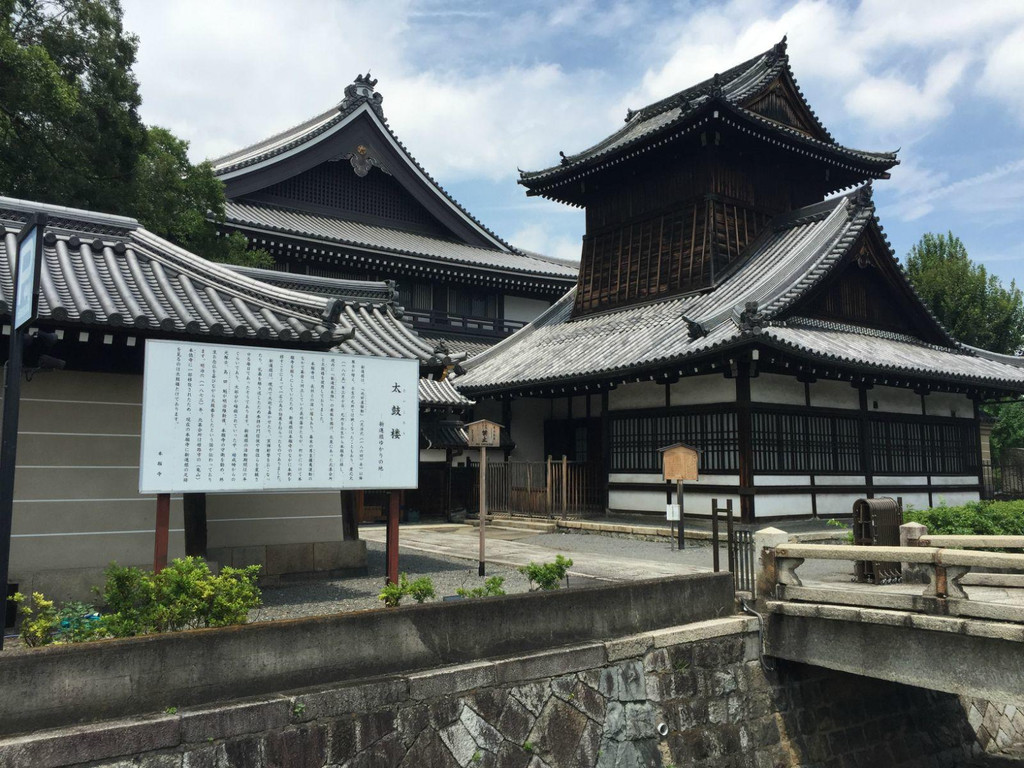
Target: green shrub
x: 392, y: 594
x: 419, y: 590
x: 493, y: 587
x: 184, y: 595
x: 78, y: 622
x: 38, y: 619
x: 547, y: 575
x: 989, y: 518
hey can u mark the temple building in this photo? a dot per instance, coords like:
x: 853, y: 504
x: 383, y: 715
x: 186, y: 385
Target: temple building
x: 339, y: 196
x: 737, y: 293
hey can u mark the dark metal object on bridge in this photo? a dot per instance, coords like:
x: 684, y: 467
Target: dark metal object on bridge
x: 876, y: 523
x: 739, y: 545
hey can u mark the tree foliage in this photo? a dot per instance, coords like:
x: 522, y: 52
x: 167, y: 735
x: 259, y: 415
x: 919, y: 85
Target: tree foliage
x: 978, y: 310
x: 973, y: 304
x: 70, y: 131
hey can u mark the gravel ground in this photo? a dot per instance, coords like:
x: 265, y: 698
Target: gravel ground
x: 321, y: 597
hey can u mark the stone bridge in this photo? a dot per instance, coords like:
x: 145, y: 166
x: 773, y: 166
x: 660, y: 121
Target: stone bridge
x: 962, y: 632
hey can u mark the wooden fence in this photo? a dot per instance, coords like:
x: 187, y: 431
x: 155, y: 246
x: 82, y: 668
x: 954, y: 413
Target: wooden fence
x: 552, y: 488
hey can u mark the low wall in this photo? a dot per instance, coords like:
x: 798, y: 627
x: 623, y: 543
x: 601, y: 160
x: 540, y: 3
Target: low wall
x: 693, y: 695
x: 60, y: 685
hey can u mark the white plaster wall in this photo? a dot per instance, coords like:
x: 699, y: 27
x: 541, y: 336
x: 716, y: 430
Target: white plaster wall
x: 643, y: 394
x: 764, y: 480
x: 650, y: 477
x: 831, y: 504
x: 694, y: 503
x: 896, y: 480
x: 528, y: 415
x: 487, y: 409
x: 524, y: 309
x: 834, y: 394
x: 579, y: 407
x: 955, y: 480
x: 839, y: 480
x: 782, y: 505
x: 697, y: 390
x: 432, y: 454
x: 893, y: 400
x: 776, y: 388
x: 949, y: 404
x: 952, y: 499
x: 560, y: 408
x: 916, y: 500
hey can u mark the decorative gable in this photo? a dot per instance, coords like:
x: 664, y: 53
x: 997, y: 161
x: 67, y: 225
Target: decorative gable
x: 867, y: 289
x: 782, y: 103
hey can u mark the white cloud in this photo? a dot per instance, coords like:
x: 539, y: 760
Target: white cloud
x: 892, y: 102
x: 1004, y: 72
x: 543, y: 239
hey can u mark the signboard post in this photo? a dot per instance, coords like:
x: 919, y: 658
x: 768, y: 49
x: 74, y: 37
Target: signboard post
x: 219, y: 418
x: 679, y: 462
x: 26, y: 298
x: 483, y: 434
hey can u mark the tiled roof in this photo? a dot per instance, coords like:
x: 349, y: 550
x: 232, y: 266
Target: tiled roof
x: 356, y: 101
x: 729, y: 89
x: 353, y: 290
x: 472, y: 347
x: 799, y: 251
x: 442, y: 394
x: 356, y: 234
x: 102, y: 270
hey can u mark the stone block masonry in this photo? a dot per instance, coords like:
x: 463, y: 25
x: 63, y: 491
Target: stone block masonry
x: 694, y: 695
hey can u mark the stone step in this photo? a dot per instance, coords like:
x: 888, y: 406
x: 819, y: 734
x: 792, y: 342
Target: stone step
x: 523, y: 524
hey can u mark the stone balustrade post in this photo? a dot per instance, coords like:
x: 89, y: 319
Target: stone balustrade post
x: 910, y: 536
x: 765, y: 541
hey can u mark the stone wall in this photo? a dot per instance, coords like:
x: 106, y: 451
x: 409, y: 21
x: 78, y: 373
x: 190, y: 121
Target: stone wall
x: 999, y: 727
x: 694, y: 695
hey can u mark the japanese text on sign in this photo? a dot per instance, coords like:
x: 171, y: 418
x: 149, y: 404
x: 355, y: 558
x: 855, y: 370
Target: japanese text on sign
x: 220, y: 418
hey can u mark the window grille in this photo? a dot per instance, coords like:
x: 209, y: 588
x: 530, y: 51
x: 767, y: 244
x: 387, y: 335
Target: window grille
x: 636, y: 438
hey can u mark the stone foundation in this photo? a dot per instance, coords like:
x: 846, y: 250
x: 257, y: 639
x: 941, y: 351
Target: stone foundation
x: 694, y: 695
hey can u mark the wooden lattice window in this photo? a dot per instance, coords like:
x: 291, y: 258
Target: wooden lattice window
x: 636, y: 438
x: 909, y: 447
x: 811, y: 443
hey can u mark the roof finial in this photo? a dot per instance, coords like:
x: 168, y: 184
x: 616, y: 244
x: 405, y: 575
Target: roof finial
x: 361, y: 89
x: 716, y: 84
x: 780, y: 47
x: 863, y: 195
x: 629, y: 114
x: 564, y: 160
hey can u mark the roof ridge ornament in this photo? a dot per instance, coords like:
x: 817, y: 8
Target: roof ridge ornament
x: 716, y: 86
x: 362, y: 89
x: 751, y: 320
x: 863, y: 196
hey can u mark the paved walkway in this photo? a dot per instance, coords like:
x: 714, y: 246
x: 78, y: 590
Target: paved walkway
x: 613, y: 560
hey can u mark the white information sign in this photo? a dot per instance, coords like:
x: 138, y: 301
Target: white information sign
x: 25, y: 291
x: 220, y: 418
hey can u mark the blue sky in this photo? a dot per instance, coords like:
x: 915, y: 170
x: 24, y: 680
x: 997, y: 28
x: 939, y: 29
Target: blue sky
x: 477, y: 89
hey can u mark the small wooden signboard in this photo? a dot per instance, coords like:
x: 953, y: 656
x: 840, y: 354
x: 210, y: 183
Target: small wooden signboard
x: 680, y: 462
x: 484, y: 434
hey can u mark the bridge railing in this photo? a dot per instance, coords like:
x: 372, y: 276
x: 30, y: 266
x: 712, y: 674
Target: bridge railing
x: 944, y: 567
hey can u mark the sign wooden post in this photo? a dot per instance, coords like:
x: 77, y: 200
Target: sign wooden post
x: 483, y: 434
x: 679, y: 462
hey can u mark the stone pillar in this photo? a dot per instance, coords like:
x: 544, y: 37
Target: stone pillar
x: 765, y: 541
x: 910, y: 536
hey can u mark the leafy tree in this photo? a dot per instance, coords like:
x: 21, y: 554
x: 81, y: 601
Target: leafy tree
x: 970, y: 302
x: 977, y: 310
x: 174, y: 199
x: 70, y: 131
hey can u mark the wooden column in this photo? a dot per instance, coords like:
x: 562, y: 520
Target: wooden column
x: 482, y: 514
x: 195, y: 524
x: 606, y: 449
x: 865, y: 440
x: 163, y: 525
x: 744, y: 434
x: 349, y: 518
x: 391, y: 545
